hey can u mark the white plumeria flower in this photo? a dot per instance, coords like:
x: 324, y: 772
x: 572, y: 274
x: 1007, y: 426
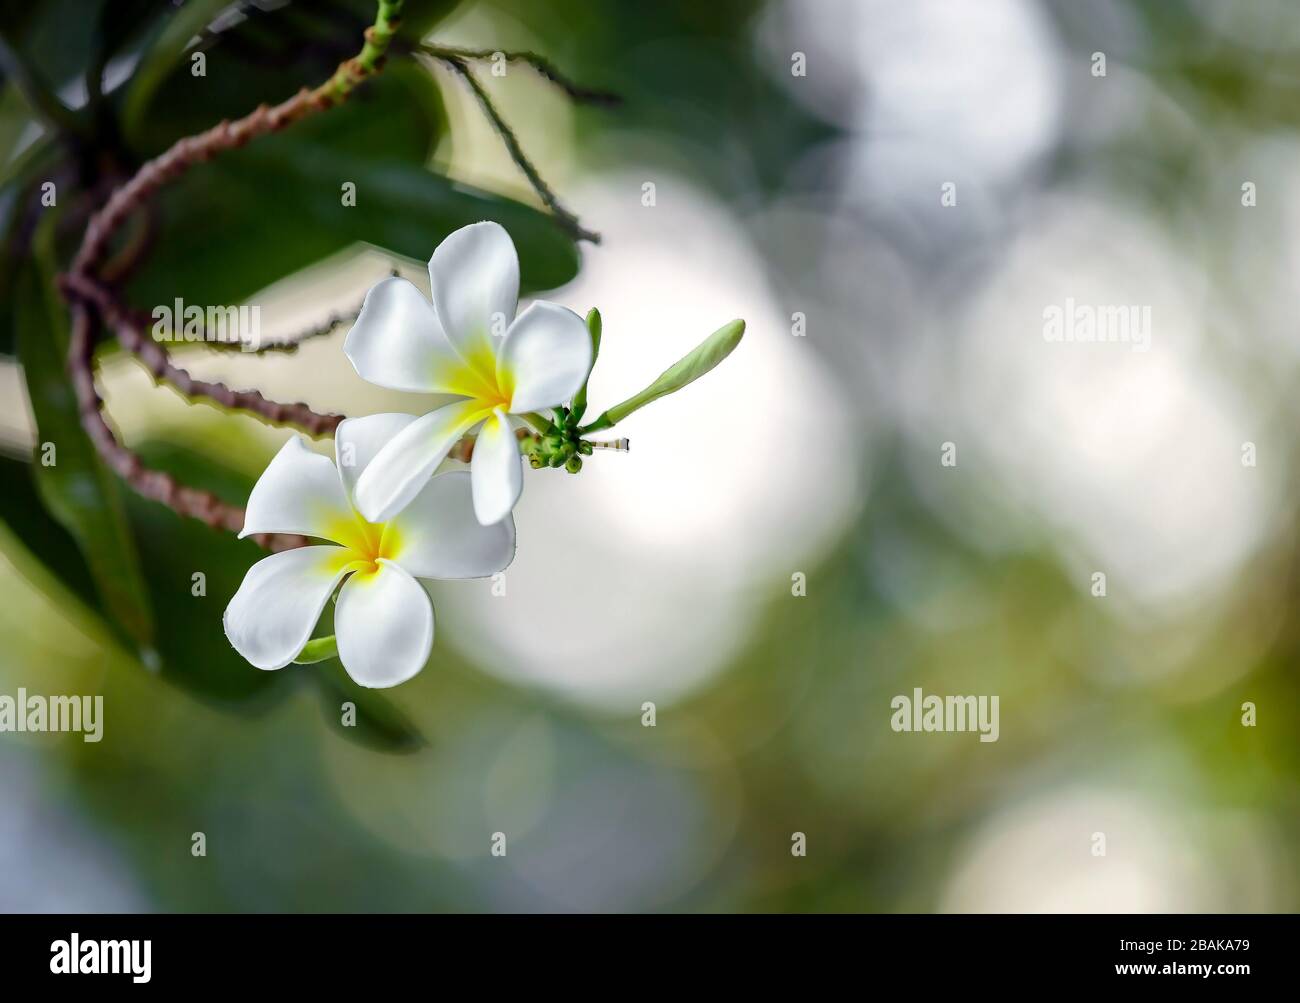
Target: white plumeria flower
x: 383, y: 620
x: 468, y: 342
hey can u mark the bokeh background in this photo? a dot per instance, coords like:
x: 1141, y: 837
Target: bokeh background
x: 665, y: 574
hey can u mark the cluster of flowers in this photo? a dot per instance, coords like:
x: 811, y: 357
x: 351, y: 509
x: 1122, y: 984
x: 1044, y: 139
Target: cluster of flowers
x: 389, y: 519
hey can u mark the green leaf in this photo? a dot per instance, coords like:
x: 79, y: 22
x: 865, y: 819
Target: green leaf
x: 280, y: 210
x: 408, y: 210
x: 706, y: 356
x: 195, y: 655
x: 16, y: 119
x: 379, y: 724
x: 79, y: 491
x: 55, y: 37
x: 121, y: 22
x: 22, y: 510
x: 250, y: 217
x: 17, y: 192
x: 318, y: 649
x: 166, y: 52
x: 235, y: 225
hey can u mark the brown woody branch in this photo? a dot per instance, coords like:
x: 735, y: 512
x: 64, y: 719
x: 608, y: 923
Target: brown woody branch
x: 157, y: 360
x: 153, y: 484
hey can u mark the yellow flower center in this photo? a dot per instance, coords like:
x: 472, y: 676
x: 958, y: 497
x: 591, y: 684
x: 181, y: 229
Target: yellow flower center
x: 365, y: 543
x: 478, y: 379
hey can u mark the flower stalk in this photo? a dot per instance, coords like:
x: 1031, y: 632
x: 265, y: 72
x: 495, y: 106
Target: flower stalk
x: 318, y: 649
x: 705, y: 357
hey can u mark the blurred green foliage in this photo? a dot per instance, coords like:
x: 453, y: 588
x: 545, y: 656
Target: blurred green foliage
x: 696, y: 813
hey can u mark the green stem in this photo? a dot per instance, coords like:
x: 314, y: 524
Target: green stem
x: 543, y: 425
x: 599, y: 425
x: 318, y: 649
x: 370, y: 60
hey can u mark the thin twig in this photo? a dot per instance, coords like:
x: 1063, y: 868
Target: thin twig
x: 544, y: 67
x: 156, y: 359
x: 549, y: 199
x: 289, y: 345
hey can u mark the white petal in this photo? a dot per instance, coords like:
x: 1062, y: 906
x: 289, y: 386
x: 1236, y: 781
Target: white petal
x: 401, y: 469
x: 437, y: 535
x: 384, y: 625
x: 545, y: 357
x: 300, y: 492
x: 277, y: 605
x: 357, y: 441
x: 496, y: 469
x: 398, y: 342
x: 474, y: 275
